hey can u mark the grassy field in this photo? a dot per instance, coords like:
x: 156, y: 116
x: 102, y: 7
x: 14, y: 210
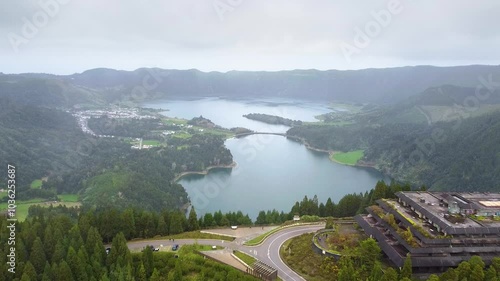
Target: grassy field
x: 182, y: 135
x: 22, y: 207
x: 36, y: 184
x: 68, y: 197
x: 224, y: 133
x: 207, y: 247
x: 171, y: 121
x: 196, y: 235
x: 298, y: 254
x: 259, y: 239
x: 249, y: 260
x: 151, y: 142
x: 347, y: 158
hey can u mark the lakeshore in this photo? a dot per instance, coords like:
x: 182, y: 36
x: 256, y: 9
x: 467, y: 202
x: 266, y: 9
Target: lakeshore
x: 204, y: 172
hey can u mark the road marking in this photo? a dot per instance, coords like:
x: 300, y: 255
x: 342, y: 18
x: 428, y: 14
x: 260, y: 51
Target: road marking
x: 279, y: 247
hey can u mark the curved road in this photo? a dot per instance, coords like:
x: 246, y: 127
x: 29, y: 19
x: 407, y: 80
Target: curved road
x: 267, y: 252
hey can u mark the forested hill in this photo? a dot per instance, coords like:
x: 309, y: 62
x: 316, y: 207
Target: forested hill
x: 462, y: 154
x: 38, y: 141
x: 49, y: 144
x: 387, y: 86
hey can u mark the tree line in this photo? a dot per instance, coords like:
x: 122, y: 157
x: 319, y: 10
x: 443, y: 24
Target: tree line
x: 455, y: 155
x: 61, y: 245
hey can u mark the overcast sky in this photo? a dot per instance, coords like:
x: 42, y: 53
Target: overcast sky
x: 75, y: 35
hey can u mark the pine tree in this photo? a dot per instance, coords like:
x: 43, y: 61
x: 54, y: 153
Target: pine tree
x: 476, y: 260
x: 477, y: 273
x: 128, y: 226
x: 208, y: 219
x: 119, y: 254
x: 406, y: 271
x: 76, y: 265
x: 64, y: 272
x: 155, y: 276
x: 93, y: 238
x: 148, y: 261
x: 346, y: 270
x: 390, y: 275
x: 491, y: 274
x: 162, y: 228
x: 193, y: 220
x: 176, y: 274
x: 29, y: 271
x: 49, y: 242
x: 59, y: 252
x: 47, y: 272
x: 141, y: 273
x: 369, y: 252
x: 176, y: 223
x: 37, y: 256
x: 463, y: 270
x: 377, y: 272
x: 433, y: 277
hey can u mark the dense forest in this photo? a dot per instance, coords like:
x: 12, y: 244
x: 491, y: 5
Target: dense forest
x: 134, y: 128
x: 103, y: 86
x: 60, y: 243
x: 63, y: 245
x: 455, y: 155
x: 47, y: 143
x: 272, y: 119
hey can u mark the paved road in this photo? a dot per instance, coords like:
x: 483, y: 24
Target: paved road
x: 267, y: 252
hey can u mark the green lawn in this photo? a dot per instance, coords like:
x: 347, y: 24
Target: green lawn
x: 348, y: 158
x: 151, y: 142
x: 68, y: 197
x: 259, y: 239
x: 207, y: 247
x: 224, y: 133
x: 298, y: 254
x: 249, y: 260
x: 36, y: 184
x: 171, y: 121
x: 197, y: 235
x: 22, y: 207
x: 182, y: 135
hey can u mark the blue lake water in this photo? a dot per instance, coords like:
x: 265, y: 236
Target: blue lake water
x: 273, y: 172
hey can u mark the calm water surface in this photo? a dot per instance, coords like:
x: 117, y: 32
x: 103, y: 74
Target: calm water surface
x: 273, y: 172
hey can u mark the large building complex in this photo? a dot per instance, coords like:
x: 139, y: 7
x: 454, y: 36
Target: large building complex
x: 437, y: 229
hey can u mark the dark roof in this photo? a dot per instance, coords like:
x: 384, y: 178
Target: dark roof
x: 445, y: 225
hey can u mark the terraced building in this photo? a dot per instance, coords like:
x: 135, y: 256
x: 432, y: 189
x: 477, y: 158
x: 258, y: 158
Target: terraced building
x: 437, y: 229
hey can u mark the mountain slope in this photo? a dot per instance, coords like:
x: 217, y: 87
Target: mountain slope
x: 383, y: 86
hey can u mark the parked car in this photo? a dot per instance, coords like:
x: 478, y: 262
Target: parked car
x: 108, y: 250
x: 175, y: 247
x: 152, y: 248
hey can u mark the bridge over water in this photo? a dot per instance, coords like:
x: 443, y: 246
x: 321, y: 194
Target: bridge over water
x: 268, y: 133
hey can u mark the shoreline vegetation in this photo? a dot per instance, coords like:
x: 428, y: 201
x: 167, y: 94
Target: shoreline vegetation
x: 205, y: 171
x: 359, y: 163
x: 273, y: 119
x: 350, y: 158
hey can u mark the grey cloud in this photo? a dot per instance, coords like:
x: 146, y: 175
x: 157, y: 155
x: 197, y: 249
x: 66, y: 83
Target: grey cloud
x: 256, y: 34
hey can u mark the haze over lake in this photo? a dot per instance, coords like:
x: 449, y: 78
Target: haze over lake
x: 272, y: 171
